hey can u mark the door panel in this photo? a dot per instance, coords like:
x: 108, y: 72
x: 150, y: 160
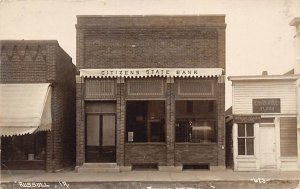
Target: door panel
x: 109, y: 136
x: 267, y: 147
x: 93, y: 130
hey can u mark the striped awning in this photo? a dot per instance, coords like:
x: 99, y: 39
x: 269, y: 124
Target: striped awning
x: 25, y: 108
x: 151, y: 72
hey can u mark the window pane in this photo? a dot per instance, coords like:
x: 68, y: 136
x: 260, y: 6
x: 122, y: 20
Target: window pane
x: 241, y: 130
x: 181, y: 131
x: 145, y: 121
x: 189, y: 106
x: 250, y: 129
x: 250, y: 146
x: 202, y: 131
x: 195, y: 121
x: 241, y: 146
x: 157, y: 131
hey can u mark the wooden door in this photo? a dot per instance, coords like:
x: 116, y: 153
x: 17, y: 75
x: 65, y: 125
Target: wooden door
x: 267, y: 146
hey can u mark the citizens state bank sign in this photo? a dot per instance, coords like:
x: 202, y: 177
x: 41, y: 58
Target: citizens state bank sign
x: 151, y: 72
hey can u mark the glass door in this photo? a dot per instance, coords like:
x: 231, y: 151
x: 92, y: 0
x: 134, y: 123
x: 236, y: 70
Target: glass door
x: 101, y: 138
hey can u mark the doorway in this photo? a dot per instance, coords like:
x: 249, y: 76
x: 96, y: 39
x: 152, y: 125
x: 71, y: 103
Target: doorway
x: 267, y: 146
x: 101, y: 138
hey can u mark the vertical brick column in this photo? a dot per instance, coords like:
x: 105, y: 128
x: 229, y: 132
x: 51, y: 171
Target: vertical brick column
x: 80, y: 122
x: 121, y: 108
x: 221, y: 49
x: 79, y: 47
x: 170, y: 122
x: 50, y: 77
x: 50, y: 59
x: 221, y: 120
x: 49, y: 151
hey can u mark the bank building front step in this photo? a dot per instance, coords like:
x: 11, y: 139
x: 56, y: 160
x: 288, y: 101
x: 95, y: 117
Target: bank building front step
x: 98, y: 168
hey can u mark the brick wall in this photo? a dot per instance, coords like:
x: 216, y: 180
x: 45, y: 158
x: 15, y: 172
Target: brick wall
x: 150, y: 41
x: 196, y: 153
x: 145, y: 153
x: 80, y: 122
x: 45, y: 62
x: 121, y: 112
x: 221, y: 123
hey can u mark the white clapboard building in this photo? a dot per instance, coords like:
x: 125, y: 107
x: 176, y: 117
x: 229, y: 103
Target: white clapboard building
x: 266, y: 119
x: 265, y: 133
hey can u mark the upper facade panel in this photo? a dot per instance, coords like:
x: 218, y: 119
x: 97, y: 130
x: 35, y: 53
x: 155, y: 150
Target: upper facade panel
x: 150, y: 42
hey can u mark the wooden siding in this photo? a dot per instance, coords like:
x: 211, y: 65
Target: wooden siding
x: 244, y: 92
x: 288, y: 136
x: 100, y: 89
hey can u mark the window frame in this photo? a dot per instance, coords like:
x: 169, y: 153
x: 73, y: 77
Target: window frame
x: 147, y: 122
x: 191, y: 114
x: 245, y: 137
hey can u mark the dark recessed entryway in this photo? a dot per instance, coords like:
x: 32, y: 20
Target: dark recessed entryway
x: 101, y: 136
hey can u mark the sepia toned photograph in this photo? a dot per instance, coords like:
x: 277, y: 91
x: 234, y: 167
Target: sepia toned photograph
x: 150, y: 94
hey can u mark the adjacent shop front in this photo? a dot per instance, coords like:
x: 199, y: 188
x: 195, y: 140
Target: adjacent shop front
x: 265, y: 132
x: 37, y: 105
x: 25, y: 117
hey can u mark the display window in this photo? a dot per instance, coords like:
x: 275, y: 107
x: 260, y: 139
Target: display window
x: 195, y: 121
x: 145, y: 121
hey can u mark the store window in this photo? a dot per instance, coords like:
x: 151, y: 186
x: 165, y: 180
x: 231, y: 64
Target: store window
x: 245, y: 139
x: 145, y: 121
x: 23, y: 148
x: 195, y: 121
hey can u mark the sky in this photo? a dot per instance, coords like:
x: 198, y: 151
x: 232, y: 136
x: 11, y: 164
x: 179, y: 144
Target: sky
x: 258, y: 35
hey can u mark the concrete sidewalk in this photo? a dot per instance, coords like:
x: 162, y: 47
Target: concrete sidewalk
x: 148, y: 176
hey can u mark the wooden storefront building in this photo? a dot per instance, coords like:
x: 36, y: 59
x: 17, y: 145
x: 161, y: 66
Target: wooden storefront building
x: 265, y: 123
x: 264, y: 132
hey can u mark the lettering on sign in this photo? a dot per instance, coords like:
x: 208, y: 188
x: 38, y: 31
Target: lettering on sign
x: 246, y: 118
x: 267, y: 105
x: 151, y: 72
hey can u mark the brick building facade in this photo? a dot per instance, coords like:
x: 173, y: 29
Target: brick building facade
x: 155, y: 86
x: 30, y: 62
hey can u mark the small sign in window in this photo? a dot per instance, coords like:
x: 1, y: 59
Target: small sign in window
x: 130, y: 136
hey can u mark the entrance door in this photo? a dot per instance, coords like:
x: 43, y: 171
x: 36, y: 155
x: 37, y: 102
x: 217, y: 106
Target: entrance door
x: 267, y: 146
x: 101, y: 138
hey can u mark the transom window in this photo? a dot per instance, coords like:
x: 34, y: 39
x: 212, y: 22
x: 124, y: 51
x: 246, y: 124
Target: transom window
x: 245, y: 139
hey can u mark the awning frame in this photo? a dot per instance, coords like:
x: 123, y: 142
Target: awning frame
x: 151, y: 72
